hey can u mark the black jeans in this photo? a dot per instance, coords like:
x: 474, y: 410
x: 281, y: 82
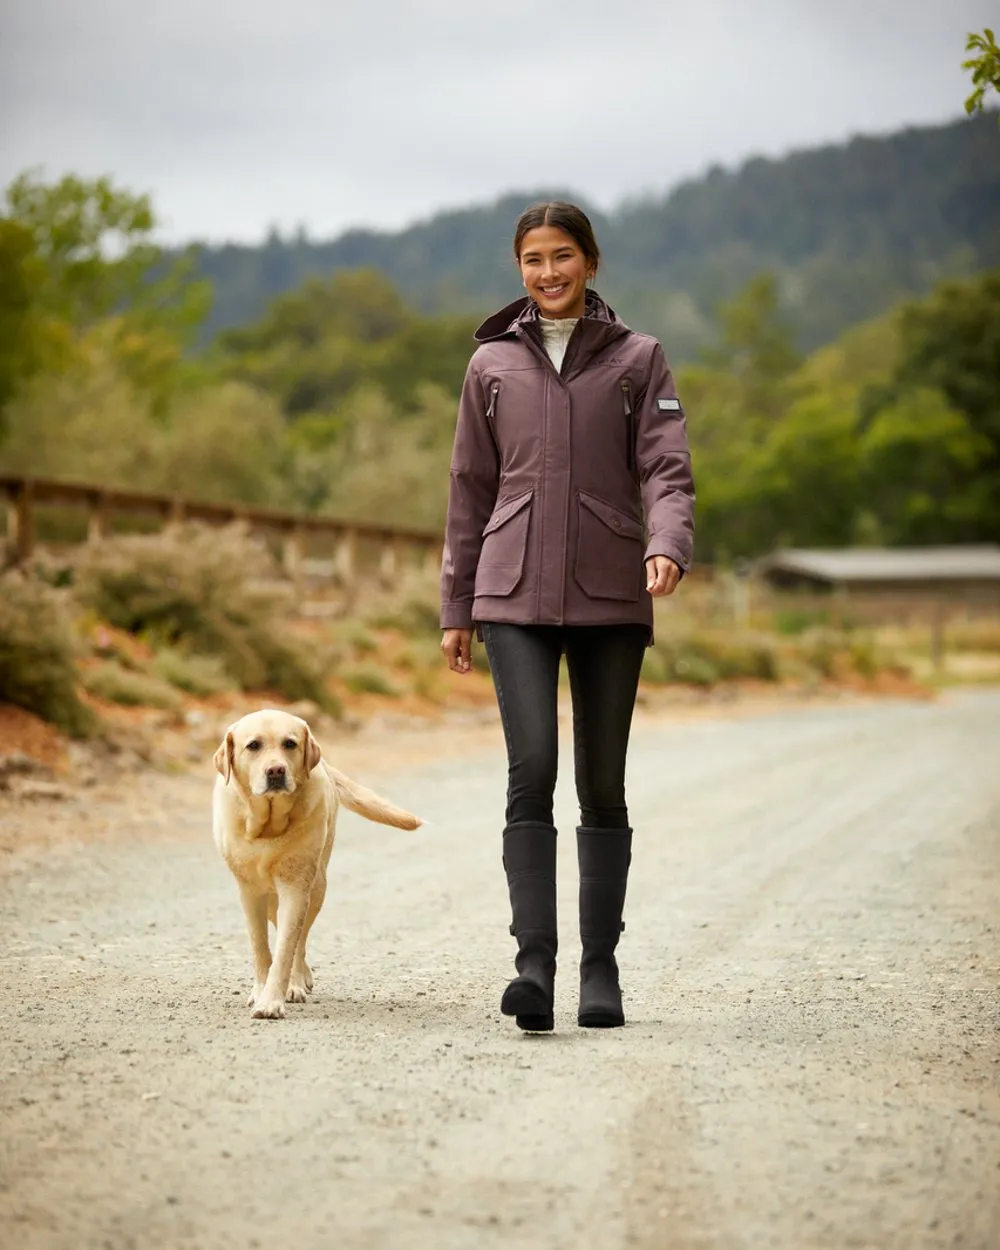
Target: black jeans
x: 604, y: 663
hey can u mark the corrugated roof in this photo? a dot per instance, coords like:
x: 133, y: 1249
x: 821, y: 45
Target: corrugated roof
x: 886, y: 564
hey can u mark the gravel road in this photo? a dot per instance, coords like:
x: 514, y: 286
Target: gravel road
x: 812, y: 978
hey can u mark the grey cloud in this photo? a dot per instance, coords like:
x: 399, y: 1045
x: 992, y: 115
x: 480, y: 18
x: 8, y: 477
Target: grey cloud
x: 237, y: 115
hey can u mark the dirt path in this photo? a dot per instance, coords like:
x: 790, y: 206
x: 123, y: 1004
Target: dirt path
x: 812, y: 968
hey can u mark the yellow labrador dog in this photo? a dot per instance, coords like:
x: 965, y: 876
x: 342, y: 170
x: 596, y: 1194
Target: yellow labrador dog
x: 274, y: 816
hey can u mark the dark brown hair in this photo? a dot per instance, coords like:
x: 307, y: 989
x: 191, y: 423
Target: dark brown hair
x: 567, y: 217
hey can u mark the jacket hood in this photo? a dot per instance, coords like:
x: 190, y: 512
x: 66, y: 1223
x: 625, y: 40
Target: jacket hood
x: 524, y: 312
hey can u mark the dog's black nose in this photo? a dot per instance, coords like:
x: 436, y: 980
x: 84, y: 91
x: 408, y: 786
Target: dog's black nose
x: 276, y: 776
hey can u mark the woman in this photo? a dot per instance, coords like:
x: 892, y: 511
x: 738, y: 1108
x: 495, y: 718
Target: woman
x: 570, y: 435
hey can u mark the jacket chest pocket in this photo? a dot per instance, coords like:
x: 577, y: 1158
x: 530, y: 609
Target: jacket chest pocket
x: 505, y: 541
x: 608, y: 550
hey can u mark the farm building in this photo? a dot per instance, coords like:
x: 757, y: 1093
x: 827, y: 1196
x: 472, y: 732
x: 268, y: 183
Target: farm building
x: 967, y: 574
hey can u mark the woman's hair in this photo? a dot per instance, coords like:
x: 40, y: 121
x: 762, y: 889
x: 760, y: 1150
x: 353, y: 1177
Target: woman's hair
x: 567, y: 217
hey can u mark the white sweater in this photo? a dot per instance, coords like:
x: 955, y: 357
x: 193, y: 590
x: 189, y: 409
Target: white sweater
x: 555, y: 336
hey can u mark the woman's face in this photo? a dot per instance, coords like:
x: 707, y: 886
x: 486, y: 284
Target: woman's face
x: 554, y: 271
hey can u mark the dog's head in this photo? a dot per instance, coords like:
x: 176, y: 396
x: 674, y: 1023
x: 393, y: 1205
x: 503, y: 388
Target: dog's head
x: 268, y: 752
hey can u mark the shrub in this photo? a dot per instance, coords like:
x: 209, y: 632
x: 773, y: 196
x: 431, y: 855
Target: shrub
x: 415, y: 615
x: 194, y: 674
x: 37, y: 664
x: 116, y: 684
x: 428, y: 685
x: 983, y: 635
x: 356, y: 637
x: 656, y: 668
x: 412, y: 605
x: 795, y: 621
x: 694, y: 670
x: 744, y: 658
x: 820, y: 653
x: 200, y: 589
x: 864, y: 659
x: 703, y: 660
x: 367, y: 679
x: 421, y: 654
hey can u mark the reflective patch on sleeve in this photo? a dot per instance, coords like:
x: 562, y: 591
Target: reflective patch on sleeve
x: 669, y: 405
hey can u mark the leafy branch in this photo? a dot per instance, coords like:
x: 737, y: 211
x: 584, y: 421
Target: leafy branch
x: 985, y: 68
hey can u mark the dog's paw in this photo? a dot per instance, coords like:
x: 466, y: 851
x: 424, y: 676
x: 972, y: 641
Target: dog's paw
x: 297, y: 992
x: 255, y: 993
x: 268, y: 1009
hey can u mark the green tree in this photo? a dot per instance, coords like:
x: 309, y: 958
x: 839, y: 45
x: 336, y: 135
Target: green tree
x: 19, y: 347
x: 94, y: 244
x: 891, y: 434
x: 88, y: 266
x: 951, y: 343
x: 316, y: 346
x: 920, y: 471
x: 82, y: 421
x: 388, y: 465
x: 225, y: 442
x: 985, y: 68
x: 757, y: 351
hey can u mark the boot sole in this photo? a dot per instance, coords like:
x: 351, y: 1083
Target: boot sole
x: 535, y: 1024
x: 529, y: 1005
x: 600, y: 1020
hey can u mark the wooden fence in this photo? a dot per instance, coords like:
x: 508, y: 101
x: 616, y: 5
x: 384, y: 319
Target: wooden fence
x: 339, y: 539
x: 330, y: 551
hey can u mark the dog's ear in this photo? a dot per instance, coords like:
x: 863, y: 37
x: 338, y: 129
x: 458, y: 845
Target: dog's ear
x: 223, y: 758
x: 312, y: 752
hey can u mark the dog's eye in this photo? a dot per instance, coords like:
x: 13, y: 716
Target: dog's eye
x: 253, y: 745
x: 289, y: 744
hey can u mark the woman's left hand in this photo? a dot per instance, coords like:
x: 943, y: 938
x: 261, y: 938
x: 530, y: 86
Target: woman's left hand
x: 662, y: 576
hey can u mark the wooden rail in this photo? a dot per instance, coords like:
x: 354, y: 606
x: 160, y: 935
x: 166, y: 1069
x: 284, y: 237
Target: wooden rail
x: 102, y: 504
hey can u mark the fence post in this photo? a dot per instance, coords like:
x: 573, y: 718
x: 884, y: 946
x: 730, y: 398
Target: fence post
x: 291, y: 554
x: 21, y: 521
x: 346, y: 559
x: 937, y: 637
x: 388, y: 565
x: 740, y: 580
x: 432, y: 559
x: 98, y: 515
x: 177, y: 514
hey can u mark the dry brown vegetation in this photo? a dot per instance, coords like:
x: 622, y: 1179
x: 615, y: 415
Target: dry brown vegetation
x: 38, y: 655
x: 197, y: 617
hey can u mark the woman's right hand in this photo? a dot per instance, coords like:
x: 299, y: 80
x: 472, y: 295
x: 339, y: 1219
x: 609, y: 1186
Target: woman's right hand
x: 457, y: 647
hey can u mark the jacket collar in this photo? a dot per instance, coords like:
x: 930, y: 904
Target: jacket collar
x: 600, y: 324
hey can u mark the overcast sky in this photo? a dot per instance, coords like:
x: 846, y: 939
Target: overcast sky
x: 239, y: 114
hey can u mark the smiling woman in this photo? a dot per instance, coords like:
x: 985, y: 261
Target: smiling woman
x: 571, y: 505
x: 557, y: 255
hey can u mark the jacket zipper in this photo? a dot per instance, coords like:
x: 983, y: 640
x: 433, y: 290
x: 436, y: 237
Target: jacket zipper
x: 491, y: 410
x: 629, y: 424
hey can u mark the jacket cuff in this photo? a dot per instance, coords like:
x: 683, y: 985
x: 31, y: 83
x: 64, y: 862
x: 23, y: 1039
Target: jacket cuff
x: 457, y: 615
x: 663, y: 547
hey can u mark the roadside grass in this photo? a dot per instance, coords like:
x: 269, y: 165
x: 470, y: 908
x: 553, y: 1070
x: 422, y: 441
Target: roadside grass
x: 114, y: 683
x: 170, y: 621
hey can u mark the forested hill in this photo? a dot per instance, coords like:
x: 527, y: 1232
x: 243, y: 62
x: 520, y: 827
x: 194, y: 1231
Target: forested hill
x: 848, y: 230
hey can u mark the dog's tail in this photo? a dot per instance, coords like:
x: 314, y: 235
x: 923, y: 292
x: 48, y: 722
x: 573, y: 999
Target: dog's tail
x: 369, y: 804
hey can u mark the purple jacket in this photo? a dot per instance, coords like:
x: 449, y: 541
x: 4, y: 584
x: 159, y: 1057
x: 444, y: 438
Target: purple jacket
x: 563, y: 484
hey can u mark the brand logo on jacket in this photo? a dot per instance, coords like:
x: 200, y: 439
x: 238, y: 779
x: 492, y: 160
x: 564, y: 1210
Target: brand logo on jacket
x: 669, y: 405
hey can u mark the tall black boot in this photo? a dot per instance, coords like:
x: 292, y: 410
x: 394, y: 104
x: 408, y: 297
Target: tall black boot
x: 529, y: 857
x: 605, y: 855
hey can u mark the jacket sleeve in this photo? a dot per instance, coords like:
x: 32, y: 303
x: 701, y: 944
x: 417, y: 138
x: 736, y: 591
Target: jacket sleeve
x: 475, y: 481
x: 664, y: 464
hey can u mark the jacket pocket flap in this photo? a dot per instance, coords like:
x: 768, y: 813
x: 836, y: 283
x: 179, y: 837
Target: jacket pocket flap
x: 506, y: 510
x: 616, y: 520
